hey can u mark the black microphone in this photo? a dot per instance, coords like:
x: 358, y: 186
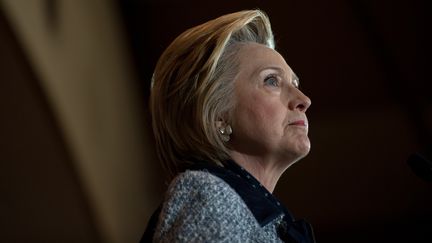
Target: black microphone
x: 421, y: 166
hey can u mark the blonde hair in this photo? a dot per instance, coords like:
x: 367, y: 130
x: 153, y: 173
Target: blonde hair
x: 192, y: 88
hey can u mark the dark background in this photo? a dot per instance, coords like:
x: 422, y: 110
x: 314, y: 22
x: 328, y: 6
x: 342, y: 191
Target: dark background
x: 365, y: 65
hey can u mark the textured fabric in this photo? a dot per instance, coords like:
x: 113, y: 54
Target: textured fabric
x: 201, y: 207
x: 263, y: 205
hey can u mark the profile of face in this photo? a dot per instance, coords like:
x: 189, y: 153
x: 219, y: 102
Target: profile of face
x: 269, y: 118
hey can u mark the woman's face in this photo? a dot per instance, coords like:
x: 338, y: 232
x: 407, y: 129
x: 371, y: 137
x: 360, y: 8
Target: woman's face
x: 269, y: 119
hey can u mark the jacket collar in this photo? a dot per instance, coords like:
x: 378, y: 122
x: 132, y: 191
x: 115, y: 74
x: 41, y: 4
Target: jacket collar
x: 263, y: 205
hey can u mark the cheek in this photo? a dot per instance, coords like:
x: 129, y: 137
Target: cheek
x: 263, y: 114
x: 269, y: 110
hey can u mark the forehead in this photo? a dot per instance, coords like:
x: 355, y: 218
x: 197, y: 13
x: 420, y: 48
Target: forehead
x: 255, y: 57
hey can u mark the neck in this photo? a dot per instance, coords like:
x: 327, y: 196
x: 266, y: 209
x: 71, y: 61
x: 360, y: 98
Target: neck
x: 265, y: 170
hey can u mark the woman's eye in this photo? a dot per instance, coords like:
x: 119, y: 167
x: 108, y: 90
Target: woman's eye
x: 272, y: 81
x: 296, y: 83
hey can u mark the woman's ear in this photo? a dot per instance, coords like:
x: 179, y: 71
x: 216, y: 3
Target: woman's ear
x: 220, y: 123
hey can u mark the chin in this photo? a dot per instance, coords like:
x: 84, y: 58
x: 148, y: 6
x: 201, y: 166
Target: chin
x: 301, y: 151
x: 306, y: 148
x: 296, y: 150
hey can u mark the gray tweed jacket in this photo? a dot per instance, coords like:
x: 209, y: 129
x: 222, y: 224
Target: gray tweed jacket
x: 225, y: 205
x: 201, y: 207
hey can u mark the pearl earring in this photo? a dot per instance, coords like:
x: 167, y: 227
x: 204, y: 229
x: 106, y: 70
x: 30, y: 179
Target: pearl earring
x: 225, y: 133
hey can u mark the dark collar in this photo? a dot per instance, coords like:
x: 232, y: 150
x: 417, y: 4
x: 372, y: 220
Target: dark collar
x: 263, y: 205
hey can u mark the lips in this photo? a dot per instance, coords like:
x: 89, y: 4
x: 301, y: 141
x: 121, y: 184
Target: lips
x: 299, y: 123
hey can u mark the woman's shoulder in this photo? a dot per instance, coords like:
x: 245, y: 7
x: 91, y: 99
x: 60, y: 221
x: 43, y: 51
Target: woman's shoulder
x: 203, y: 207
x: 199, y: 185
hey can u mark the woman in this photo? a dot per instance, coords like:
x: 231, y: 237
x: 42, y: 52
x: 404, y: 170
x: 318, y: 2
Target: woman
x: 229, y: 119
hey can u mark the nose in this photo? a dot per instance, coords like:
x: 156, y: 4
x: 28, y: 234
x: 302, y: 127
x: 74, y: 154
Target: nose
x: 299, y: 101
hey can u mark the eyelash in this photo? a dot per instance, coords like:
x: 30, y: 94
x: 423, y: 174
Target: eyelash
x: 270, y: 77
x: 296, y: 83
x: 276, y: 84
